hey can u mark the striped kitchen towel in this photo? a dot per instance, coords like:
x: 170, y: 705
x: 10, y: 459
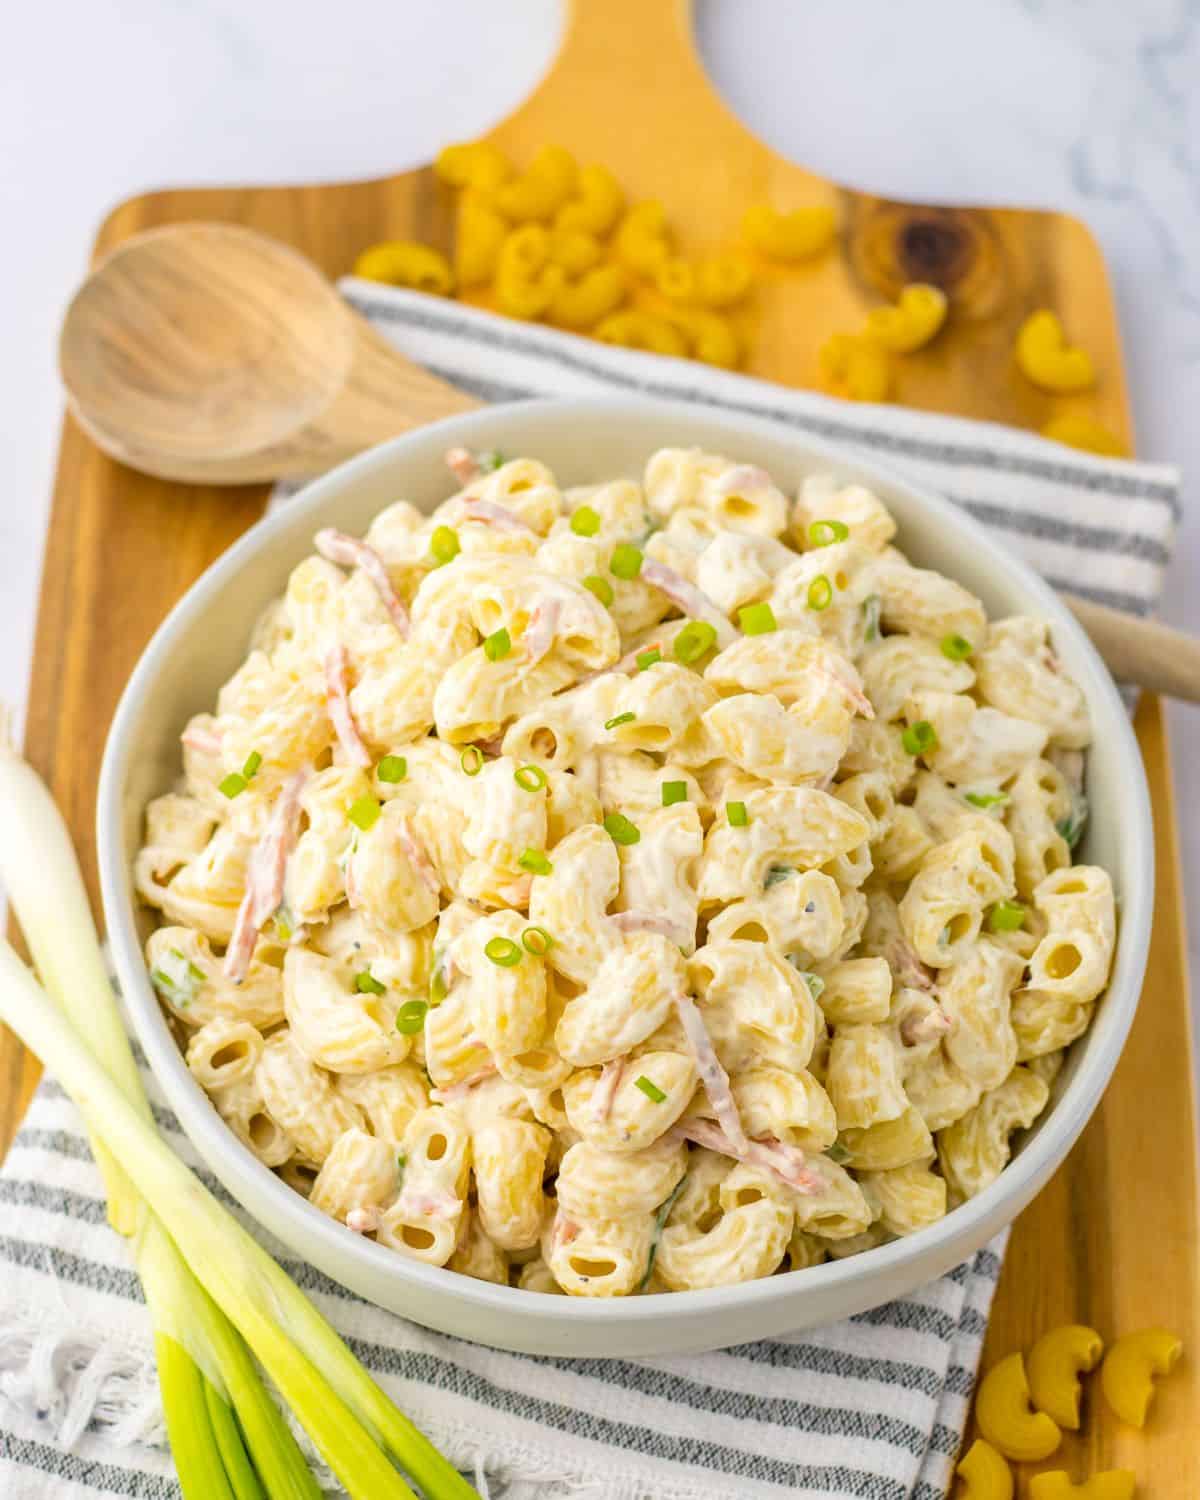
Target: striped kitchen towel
x: 872, y: 1407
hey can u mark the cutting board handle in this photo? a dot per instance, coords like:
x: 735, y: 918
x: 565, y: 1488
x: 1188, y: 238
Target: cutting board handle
x: 607, y: 43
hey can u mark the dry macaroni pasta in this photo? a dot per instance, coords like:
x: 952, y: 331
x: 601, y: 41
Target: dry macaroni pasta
x: 641, y: 886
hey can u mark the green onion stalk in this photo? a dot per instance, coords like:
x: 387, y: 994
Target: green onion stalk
x: 222, y: 1310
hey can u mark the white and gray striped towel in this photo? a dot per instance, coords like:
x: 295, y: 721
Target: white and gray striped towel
x: 873, y: 1407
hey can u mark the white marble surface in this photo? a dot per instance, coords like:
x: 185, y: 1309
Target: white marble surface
x: 1092, y: 106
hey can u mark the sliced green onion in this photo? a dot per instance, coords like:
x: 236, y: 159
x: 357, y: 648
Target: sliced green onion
x: 490, y: 461
x: 838, y: 1154
x: 253, y: 761
x: 1071, y: 827
x: 498, y: 645
x: 737, y: 814
x: 673, y: 792
x: 626, y: 561
x: 824, y: 533
x: 392, y: 768
x: 646, y: 659
x: 660, y: 1219
x: 776, y: 875
x: 1006, y: 916
x: 602, y: 589
x: 471, y: 760
x: 283, y: 924
x: 444, y: 545
x: 619, y: 719
x: 232, y: 785
x: 438, y: 988
x: 585, y: 521
x: 820, y: 593
x: 956, y: 647
x: 363, y: 811
x: 530, y: 778
x: 410, y: 1018
x: 920, y: 738
x: 986, y: 799
x: 502, y: 951
x: 536, y: 940
x: 620, y: 829
x: 695, y: 639
x: 814, y: 982
x: 650, y: 1089
x: 366, y: 983
x: 177, y: 977
x: 535, y: 862
x: 871, y: 606
x: 757, y: 619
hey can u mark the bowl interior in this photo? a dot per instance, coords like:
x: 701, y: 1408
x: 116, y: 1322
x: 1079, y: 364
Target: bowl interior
x: 205, y: 639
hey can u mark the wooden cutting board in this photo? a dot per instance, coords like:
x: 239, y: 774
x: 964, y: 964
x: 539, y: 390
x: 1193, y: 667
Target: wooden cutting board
x: 1113, y: 1240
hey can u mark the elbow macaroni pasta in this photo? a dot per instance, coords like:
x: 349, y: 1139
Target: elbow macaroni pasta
x: 634, y: 887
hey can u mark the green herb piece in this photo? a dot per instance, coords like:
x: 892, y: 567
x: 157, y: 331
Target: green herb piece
x: 177, y: 978
x: 438, y: 988
x: 366, y: 983
x: 757, y: 619
x: 392, y: 768
x: 1071, y: 827
x: 410, y: 1018
x: 660, y: 1220
x: 920, y: 738
x: 650, y: 1089
x: 986, y: 799
x: 444, y: 545
x: 1006, y: 916
x: 536, y: 940
x: 820, y: 593
x: 530, y: 778
x: 626, y: 561
x: 737, y: 814
x: 618, y: 720
x: 503, y: 952
x: 777, y: 874
x: 232, y: 785
x: 602, y: 589
x: 363, y: 811
x: 253, y: 761
x: 646, y: 659
x: 471, y: 760
x: 673, y: 792
x: 620, y: 829
x: 490, y: 461
x: 535, y: 862
x: 498, y: 645
x: 871, y: 606
x: 956, y: 647
x: 695, y: 640
x: 585, y: 521
x: 816, y: 985
x: 825, y: 533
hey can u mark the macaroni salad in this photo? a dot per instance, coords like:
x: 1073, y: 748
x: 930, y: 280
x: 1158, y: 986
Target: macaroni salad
x: 636, y: 887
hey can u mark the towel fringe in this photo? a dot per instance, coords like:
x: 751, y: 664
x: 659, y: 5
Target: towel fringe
x: 65, y: 1380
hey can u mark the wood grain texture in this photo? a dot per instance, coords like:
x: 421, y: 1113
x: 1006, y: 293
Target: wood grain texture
x: 1113, y: 1239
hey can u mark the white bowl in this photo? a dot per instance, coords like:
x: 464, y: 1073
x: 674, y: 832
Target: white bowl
x: 204, y: 639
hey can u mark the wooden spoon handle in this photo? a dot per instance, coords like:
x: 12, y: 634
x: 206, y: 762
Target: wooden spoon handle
x: 1142, y: 652
x: 384, y: 394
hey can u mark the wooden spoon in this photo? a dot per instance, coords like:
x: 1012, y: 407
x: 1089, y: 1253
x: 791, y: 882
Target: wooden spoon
x: 209, y: 353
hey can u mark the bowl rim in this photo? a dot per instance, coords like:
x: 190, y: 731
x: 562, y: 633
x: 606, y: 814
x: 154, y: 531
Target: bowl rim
x: 1024, y: 1175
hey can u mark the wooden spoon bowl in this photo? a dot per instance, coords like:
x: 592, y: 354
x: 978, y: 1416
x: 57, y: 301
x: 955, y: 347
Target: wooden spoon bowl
x: 210, y: 353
